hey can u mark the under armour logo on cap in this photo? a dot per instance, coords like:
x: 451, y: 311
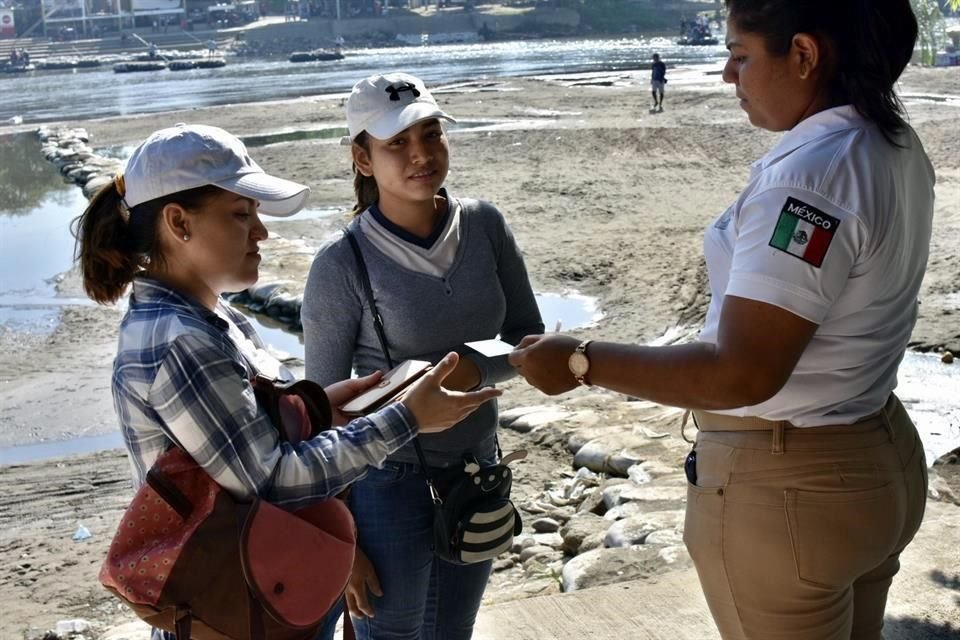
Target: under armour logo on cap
x: 407, y: 102
x: 394, y: 90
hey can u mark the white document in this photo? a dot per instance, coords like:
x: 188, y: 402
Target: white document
x: 491, y: 348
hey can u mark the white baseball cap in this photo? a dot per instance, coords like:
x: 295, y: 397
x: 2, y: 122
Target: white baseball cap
x: 384, y: 105
x: 187, y: 156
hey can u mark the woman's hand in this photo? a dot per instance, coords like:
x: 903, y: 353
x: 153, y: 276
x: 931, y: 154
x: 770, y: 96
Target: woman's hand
x: 340, y: 393
x: 363, y: 580
x: 437, y: 409
x: 542, y: 361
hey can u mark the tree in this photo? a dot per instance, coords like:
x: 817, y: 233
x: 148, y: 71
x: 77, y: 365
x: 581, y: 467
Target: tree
x: 931, y: 28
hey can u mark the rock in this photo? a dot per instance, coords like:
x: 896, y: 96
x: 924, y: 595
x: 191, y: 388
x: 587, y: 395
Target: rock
x: 596, y: 457
x: 592, y: 502
x: 639, y: 475
x: 575, y: 442
x: 535, y: 551
x: 552, y: 540
x: 534, y: 420
x: 508, y: 416
x: 651, y: 496
x: 947, y: 357
x: 561, y: 514
x: 938, y: 489
x: 636, y: 529
x: 951, y: 457
x: 545, y: 525
x: 607, y: 566
x: 593, y: 541
x: 579, y: 528
x: 502, y: 564
x: 521, y: 542
x: 666, y: 538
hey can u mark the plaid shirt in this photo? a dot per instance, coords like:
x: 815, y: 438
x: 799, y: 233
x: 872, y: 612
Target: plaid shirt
x: 182, y: 373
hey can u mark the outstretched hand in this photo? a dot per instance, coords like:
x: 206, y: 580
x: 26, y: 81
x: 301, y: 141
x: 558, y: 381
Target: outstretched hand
x: 340, y: 393
x: 542, y: 361
x: 437, y: 409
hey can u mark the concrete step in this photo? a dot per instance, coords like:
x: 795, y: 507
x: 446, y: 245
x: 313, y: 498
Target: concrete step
x: 667, y: 607
x: 184, y: 40
x: 924, y: 602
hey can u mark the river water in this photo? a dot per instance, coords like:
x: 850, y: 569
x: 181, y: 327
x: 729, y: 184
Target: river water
x: 36, y: 205
x: 95, y: 93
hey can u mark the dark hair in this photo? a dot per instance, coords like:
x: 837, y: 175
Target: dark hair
x: 112, y: 247
x: 872, y: 42
x: 364, y: 187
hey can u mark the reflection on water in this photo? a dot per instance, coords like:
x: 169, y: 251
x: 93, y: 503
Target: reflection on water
x: 566, y: 311
x: 26, y: 178
x: 26, y: 453
x: 928, y: 389
x: 320, y: 133
x: 36, y: 208
x: 44, y: 97
x: 563, y: 312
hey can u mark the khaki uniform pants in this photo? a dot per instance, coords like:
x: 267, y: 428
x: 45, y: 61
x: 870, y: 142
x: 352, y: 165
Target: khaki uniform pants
x: 796, y: 533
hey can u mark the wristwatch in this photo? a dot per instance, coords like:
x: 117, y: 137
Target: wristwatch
x: 579, y: 363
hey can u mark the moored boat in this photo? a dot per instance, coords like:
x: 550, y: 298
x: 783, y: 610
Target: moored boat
x: 19, y: 68
x: 198, y: 63
x: 132, y: 67
x: 316, y: 54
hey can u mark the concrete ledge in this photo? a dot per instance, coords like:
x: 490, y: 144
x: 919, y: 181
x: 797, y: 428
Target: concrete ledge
x: 668, y: 607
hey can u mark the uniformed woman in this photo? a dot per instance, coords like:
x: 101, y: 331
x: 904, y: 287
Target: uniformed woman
x: 808, y: 478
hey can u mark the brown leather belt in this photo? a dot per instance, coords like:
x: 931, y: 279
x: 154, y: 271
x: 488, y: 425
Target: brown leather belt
x: 707, y: 421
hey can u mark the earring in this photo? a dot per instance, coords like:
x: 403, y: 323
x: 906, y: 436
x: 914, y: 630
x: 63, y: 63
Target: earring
x: 186, y: 237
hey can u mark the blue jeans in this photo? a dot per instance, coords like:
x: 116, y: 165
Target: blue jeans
x: 424, y: 598
x: 330, y: 624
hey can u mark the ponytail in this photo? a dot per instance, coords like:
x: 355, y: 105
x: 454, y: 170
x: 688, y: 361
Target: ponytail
x: 104, y: 250
x: 114, y: 244
x: 364, y: 187
x: 878, y: 49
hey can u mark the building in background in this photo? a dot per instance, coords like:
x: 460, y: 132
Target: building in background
x: 8, y: 27
x: 71, y: 19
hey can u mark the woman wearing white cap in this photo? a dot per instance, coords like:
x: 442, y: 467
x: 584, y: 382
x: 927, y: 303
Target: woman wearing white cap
x: 444, y: 271
x: 182, y: 226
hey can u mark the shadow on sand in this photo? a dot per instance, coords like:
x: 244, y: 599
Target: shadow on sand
x: 916, y: 629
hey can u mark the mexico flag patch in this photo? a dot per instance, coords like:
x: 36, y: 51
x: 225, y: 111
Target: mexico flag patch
x: 804, y: 231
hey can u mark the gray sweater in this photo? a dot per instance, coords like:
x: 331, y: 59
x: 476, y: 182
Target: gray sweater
x: 485, y: 293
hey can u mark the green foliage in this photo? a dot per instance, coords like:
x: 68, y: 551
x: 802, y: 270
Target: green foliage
x: 931, y: 28
x: 27, y: 177
x: 618, y: 16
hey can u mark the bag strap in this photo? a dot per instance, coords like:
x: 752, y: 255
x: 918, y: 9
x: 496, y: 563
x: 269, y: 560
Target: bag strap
x: 378, y: 326
x: 368, y: 292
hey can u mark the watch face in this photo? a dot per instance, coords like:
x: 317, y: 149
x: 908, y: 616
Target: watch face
x: 578, y: 363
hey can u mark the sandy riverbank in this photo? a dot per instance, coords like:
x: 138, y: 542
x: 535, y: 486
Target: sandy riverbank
x: 603, y: 197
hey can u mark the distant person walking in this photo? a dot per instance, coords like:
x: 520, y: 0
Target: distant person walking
x: 658, y: 79
x: 211, y: 48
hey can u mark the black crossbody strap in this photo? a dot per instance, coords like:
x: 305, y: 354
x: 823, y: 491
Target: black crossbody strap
x: 378, y: 326
x: 368, y: 292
